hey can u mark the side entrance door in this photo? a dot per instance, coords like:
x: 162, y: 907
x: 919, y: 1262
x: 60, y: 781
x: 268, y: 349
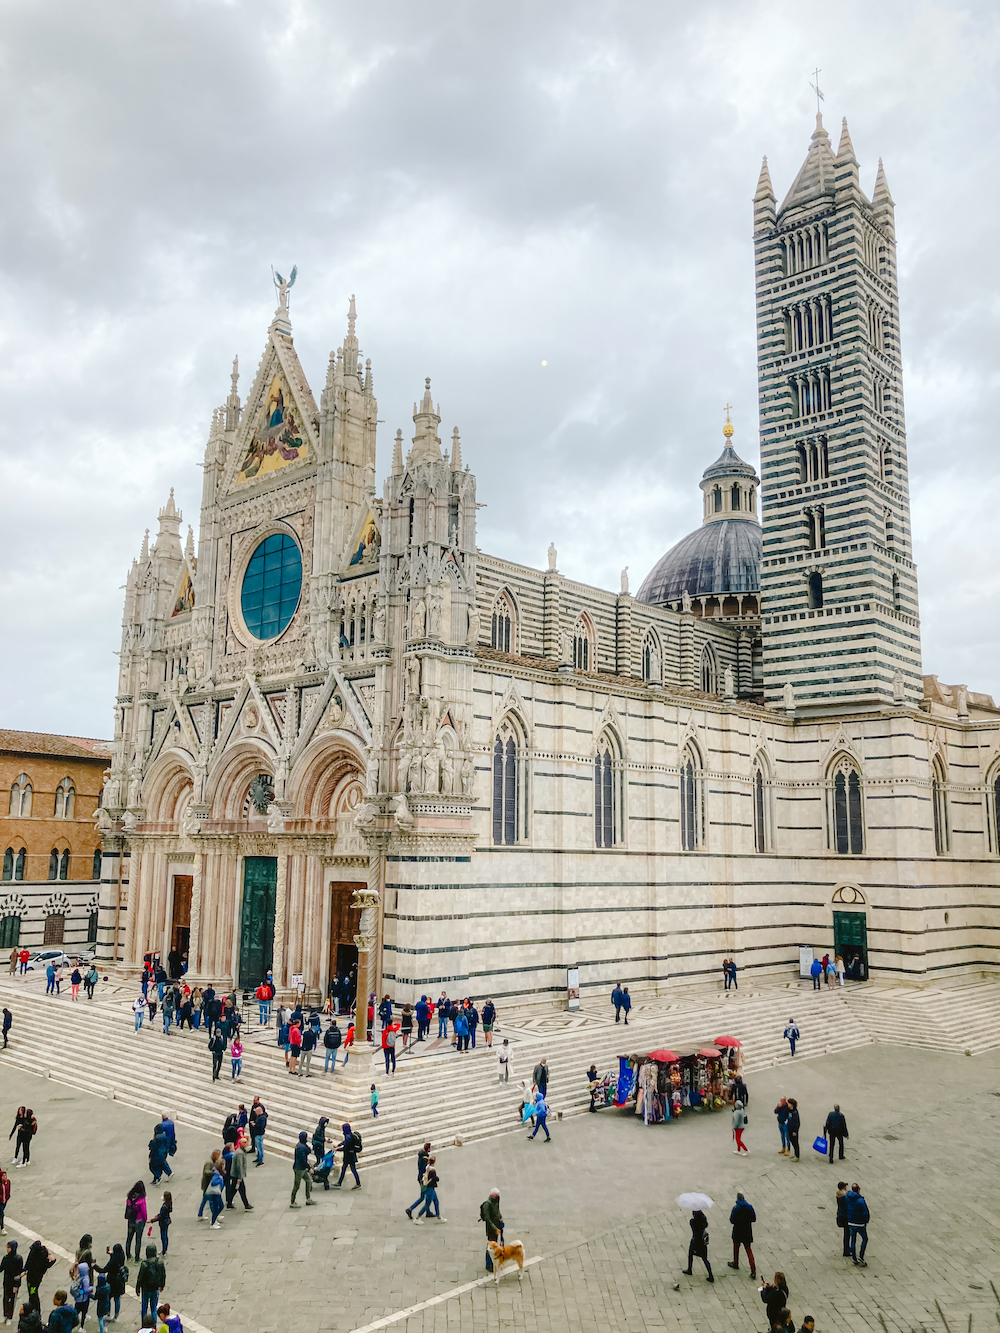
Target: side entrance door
x: 850, y: 940
x: 260, y: 885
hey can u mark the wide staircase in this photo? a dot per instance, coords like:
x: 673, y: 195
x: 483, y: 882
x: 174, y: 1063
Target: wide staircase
x: 441, y: 1095
x: 958, y: 1015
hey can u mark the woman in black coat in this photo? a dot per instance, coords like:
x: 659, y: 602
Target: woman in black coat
x: 11, y: 1267
x: 36, y: 1266
x: 794, y: 1123
x: 842, y: 1216
x: 775, y: 1297
x: 699, y: 1243
x: 117, y: 1271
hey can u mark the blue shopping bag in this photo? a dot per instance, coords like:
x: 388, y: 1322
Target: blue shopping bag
x: 821, y: 1145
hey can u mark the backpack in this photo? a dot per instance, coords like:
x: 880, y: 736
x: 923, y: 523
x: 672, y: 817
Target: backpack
x: 482, y: 1211
x: 356, y: 1141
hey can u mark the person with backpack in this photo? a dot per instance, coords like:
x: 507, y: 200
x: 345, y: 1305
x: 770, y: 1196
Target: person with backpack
x: 791, y: 1035
x: 489, y: 1212
x: 81, y: 1289
x: 489, y: 1018
x: 150, y: 1281
x: 332, y: 1038
x: 423, y: 1157
x: 135, y: 1216
x: 90, y: 981
x: 11, y: 1270
x: 389, y: 1035
x: 300, y: 1170
x: 139, y: 1007
x: 349, y: 1147
x: 858, y: 1218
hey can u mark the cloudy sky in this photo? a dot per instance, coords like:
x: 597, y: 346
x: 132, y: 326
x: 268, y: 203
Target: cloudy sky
x: 502, y: 186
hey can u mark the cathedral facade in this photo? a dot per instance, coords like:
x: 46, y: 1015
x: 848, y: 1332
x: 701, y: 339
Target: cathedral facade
x: 345, y: 736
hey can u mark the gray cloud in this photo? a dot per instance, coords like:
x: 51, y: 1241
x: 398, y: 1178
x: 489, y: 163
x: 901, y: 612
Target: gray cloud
x: 567, y: 183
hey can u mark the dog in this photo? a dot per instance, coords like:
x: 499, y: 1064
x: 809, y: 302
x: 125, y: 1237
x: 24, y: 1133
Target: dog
x: 502, y: 1254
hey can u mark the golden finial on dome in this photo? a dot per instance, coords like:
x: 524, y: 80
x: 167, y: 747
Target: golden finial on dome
x: 728, y: 429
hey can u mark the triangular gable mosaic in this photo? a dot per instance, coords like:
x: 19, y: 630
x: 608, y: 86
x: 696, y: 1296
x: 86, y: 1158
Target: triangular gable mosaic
x: 184, y: 597
x: 277, y: 438
x: 279, y: 425
x: 365, y: 547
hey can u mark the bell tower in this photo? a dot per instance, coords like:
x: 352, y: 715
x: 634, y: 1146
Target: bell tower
x: 840, y: 617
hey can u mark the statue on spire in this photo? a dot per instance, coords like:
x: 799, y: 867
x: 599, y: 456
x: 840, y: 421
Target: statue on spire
x: 284, y: 285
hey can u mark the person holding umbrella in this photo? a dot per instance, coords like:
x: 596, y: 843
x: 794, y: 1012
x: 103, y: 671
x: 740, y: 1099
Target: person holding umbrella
x: 698, y: 1247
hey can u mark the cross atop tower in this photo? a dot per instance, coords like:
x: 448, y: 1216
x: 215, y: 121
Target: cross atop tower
x: 815, y: 87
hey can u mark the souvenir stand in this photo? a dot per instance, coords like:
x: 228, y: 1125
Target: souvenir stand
x: 732, y: 1060
x: 666, y: 1083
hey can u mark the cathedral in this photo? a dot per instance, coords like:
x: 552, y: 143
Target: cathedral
x: 346, y: 737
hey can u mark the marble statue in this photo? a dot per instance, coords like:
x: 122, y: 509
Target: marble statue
x: 419, y: 620
x: 553, y: 555
x: 472, y: 638
x: 625, y: 579
x: 788, y: 695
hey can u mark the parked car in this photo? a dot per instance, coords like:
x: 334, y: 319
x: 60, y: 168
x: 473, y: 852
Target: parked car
x: 78, y: 958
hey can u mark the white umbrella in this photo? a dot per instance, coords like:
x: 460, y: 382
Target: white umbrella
x: 694, y: 1201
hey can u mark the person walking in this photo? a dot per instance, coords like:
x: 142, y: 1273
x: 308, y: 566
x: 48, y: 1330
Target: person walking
x: 150, y: 1281
x: 348, y: 1041
x: 81, y: 1288
x: 838, y: 963
x: 616, y: 1000
x: 158, y: 1163
x: 423, y: 1157
x: 4, y: 1198
x: 782, y: 1112
x: 836, y: 1128
x: 431, y: 1182
x: 237, y: 1183
x: 36, y: 1265
x: 139, y: 1007
x: 26, y: 1127
x: 489, y: 1017
x: 739, y: 1124
x: 858, y: 1218
x: 236, y: 1055
x: 319, y: 1138
x: 8, y: 1019
x: 816, y: 972
x: 207, y: 1172
x: 791, y: 1034
x: 90, y: 981
x: 742, y: 1218
x: 332, y: 1038
x: 11, y: 1270
x: 217, y: 1045
x: 842, y: 1216
x: 541, y: 1116
x: 775, y: 1297
x: 215, y: 1191
x: 489, y: 1212
x: 389, y: 1046
x: 163, y: 1219
x: 349, y: 1147
x: 75, y: 982
x: 540, y: 1076
x: 698, y: 1245
x: 374, y: 1102
x: 135, y: 1216
x: 626, y: 1003
x: 258, y: 1127
x: 794, y: 1124
x: 831, y: 974
x: 503, y: 1071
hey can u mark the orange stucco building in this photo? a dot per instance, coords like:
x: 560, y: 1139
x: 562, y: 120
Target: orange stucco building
x: 48, y: 838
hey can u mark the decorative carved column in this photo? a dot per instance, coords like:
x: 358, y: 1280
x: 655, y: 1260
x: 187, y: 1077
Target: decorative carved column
x: 132, y: 911
x: 280, y: 894
x: 368, y: 938
x: 194, y: 938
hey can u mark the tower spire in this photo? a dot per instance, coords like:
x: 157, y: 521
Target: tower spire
x: 233, y: 401
x: 456, y: 451
x: 845, y: 150
x: 765, y: 190
x: 881, y: 194
x: 397, y: 454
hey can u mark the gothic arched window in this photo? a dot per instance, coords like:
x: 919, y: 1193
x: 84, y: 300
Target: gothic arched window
x: 97, y: 865
x: 692, y: 801
x: 815, y: 590
x: 64, y: 865
x: 607, y: 793
x: 65, y: 799
x: 939, y: 803
x: 709, y: 671
x: 20, y: 863
x: 583, y: 646
x: 54, y: 863
x: 10, y: 931
x: 652, y: 662
x: 761, y: 823
x: 848, y: 833
x: 20, y: 797
x: 503, y: 631
x: 8, y: 863
x: 509, y: 804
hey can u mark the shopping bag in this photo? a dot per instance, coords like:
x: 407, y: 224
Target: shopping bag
x: 821, y: 1145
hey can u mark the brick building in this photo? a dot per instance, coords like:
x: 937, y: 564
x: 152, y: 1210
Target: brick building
x: 51, y: 848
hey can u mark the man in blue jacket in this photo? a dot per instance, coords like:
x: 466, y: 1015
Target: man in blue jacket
x: 616, y: 1000
x: 858, y: 1218
x: 816, y: 972
x: 423, y: 1018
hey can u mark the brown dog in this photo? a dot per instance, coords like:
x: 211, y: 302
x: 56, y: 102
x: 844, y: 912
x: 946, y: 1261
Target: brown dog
x: 502, y: 1254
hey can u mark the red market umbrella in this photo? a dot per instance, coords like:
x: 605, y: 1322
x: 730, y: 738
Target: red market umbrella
x: 710, y: 1052
x: 664, y: 1057
x: 728, y: 1041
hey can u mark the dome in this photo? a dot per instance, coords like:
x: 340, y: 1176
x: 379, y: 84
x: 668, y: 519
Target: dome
x: 719, y: 557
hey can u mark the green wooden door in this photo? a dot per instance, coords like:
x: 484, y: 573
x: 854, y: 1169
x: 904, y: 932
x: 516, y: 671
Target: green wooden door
x: 260, y: 883
x: 850, y: 940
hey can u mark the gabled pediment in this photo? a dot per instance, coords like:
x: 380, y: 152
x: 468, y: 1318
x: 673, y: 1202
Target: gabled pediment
x: 279, y: 427
x: 366, y: 542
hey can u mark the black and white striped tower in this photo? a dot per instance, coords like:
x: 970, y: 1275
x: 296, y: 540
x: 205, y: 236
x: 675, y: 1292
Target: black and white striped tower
x: 840, y: 618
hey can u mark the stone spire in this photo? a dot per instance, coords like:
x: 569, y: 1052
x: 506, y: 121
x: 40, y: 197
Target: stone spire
x: 168, y: 539
x: 144, y: 553
x: 351, y: 341
x: 816, y: 175
x: 845, y: 150
x: 233, y: 401
x: 397, y: 454
x: 882, y: 197
x: 456, y: 451
x: 189, y: 547
x: 763, y: 200
x: 426, y: 444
